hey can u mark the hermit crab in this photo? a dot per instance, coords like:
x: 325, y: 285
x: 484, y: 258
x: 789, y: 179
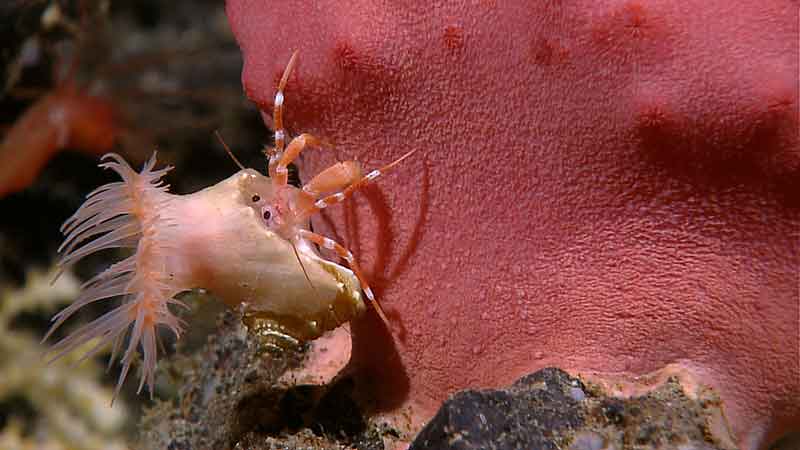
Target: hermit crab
x: 246, y: 240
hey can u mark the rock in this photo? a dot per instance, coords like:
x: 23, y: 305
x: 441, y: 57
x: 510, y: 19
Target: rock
x: 229, y: 395
x: 549, y: 409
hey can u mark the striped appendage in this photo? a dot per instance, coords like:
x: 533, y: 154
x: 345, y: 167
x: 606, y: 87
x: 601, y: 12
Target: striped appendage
x: 345, y: 254
x: 341, y: 196
x: 122, y: 214
x: 276, y: 154
x: 344, y: 177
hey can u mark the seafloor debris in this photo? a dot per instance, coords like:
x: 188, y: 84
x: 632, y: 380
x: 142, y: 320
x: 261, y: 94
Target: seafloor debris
x: 230, y: 397
x: 71, y: 405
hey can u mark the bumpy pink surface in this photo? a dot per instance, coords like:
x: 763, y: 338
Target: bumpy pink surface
x: 603, y: 186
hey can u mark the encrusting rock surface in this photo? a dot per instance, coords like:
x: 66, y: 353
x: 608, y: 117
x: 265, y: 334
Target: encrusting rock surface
x: 230, y: 396
x: 551, y: 410
x: 233, y: 396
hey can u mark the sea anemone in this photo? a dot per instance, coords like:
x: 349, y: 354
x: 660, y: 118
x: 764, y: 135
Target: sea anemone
x: 126, y: 214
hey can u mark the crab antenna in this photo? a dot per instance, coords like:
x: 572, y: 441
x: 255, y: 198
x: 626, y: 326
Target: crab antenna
x: 314, y: 288
x: 227, y: 149
x: 302, y: 266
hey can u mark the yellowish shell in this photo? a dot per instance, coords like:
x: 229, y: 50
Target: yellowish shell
x: 227, y: 249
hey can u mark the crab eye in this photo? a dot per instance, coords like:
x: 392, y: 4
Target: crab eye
x: 270, y: 215
x: 255, y: 198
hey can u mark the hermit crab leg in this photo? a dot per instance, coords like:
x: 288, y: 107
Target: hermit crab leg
x: 345, y: 254
x: 277, y: 114
x: 332, y: 179
x: 280, y: 172
x: 341, y: 196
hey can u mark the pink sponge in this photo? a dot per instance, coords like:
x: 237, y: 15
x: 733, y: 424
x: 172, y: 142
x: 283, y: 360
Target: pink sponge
x: 610, y: 187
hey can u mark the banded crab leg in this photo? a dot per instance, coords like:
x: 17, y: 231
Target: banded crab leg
x: 342, y: 195
x: 277, y: 117
x: 345, y: 254
x: 279, y: 159
x: 347, y: 173
x: 335, y: 178
x: 279, y: 172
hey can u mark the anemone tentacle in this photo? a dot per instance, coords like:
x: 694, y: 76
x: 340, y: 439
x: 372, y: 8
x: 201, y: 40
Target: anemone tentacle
x: 125, y: 213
